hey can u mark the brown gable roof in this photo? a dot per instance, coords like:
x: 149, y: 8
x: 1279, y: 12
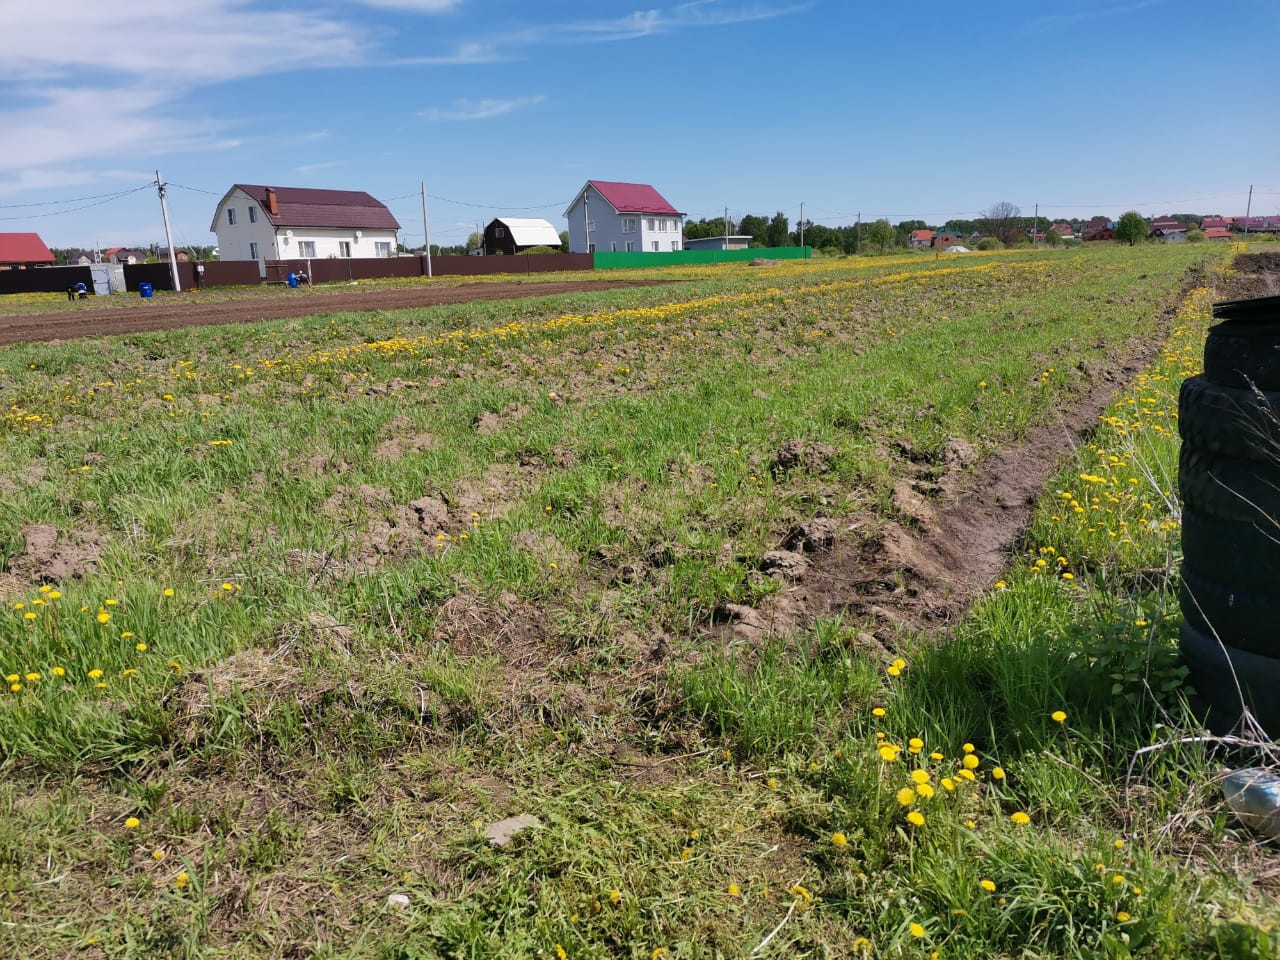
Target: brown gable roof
x: 309, y: 207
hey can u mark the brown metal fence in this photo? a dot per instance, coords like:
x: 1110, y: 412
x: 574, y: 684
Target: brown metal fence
x: 227, y: 273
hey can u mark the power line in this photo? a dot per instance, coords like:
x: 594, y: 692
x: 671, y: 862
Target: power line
x: 211, y: 193
x: 58, y: 213
x: 55, y: 203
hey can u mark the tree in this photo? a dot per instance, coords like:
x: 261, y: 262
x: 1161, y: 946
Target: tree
x: 777, y: 234
x: 564, y: 241
x: 879, y: 233
x: 757, y: 228
x: 1131, y: 227
x: 999, y: 221
x: 475, y: 241
x: 1052, y: 238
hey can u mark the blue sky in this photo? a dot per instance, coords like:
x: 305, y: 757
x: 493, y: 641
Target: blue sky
x: 923, y: 110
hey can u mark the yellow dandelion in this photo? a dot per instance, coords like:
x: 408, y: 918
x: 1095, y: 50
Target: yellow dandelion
x: 95, y: 673
x: 158, y: 855
x: 970, y: 761
x: 916, y: 930
x: 104, y: 617
x: 800, y: 893
x: 132, y: 823
x: 888, y: 753
x: 1123, y: 917
x: 1119, y: 844
x: 168, y: 591
x: 948, y: 784
x: 615, y: 896
x: 997, y: 773
x: 906, y: 797
x: 181, y: 880
x: 925, y: 791
x: 878, y: 712
x: 59, y: 671
x: 1020, y: 818
x: 734, y: 890
x: 920, y: 776
x: 560, y: 953
x: 915, y: 818
x: 968, y: 748
x: 1058, y: 716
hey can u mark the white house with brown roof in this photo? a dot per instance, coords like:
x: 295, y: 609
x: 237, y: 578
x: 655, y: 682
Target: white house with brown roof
x: 622, y: 217
x: 293, y: 223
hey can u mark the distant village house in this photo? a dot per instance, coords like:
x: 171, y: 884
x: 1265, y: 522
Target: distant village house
x: 512, y: 235
x: 18, y: 251
x: 623, y: 217
x: 294, y: 223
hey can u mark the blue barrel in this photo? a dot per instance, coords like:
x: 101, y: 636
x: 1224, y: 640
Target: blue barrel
x: 145, y: 290
x: 293, y: 279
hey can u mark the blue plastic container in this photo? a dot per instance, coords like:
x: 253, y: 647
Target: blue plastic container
x: 293, y: 279
x: 145, y: 290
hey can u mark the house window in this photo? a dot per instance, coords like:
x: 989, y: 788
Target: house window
x: 591, y: 248
x: 655, y: 246
x: 499, y: 231
x: 628, y: 224
x: 663, y: 227
x: 613, y: 246
x: 344, y: 248
x: 675, y: 244
x: 382, y: 248
x: 253, y: 251
x: 253, y: 214
x: 306, y: 248
x: 651, y: 226
x: 231, y: 216
x: 631, y: 246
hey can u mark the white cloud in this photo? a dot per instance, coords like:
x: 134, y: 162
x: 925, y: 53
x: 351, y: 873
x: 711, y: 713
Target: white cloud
x: 479, y: 109
x: 466, y: 53
x: 413, y: 6
x: 645, y: 23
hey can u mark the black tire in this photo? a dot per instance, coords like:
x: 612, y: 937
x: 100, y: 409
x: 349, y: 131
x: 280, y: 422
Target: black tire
x: 1239, y: 618
x: 1215, y: 670
x: 1242, y: 554
x: 1229, y: 422
x: 1244, y: 355
x: 1228, y: 487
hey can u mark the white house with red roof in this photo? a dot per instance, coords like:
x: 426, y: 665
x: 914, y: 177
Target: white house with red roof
x: 21, y: 250
x: 294, y: 223
x: 920, y: 238
x: 622, y: 217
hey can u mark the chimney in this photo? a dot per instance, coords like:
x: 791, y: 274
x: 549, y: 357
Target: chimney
x: 271, y: 202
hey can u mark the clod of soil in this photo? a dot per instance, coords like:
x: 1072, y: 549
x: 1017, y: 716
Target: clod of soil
x: 52, y: 557
x: 812, y: 535
x: 801, y: 454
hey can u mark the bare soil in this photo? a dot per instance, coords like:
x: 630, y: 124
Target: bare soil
x: 188, y: 310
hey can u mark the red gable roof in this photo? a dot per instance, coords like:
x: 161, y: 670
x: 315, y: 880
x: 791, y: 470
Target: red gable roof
x: 23, y: 248
x: 308, y: 207
x: 634, y: 198
x: 921, y: 234
x: 1217, y: 233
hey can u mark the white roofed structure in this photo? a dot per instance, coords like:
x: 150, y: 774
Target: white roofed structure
x: 511, y: 235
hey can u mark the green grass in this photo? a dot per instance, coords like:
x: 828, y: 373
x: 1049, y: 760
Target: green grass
x: 339, y: 721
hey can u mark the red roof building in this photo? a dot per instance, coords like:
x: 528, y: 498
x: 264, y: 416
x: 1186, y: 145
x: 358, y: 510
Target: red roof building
x: 256, y: 222
x: 1216, y: 223
x: 623, y: 218
x: 634, y: 198
x: 920, y: 238
x: 21, y: 250
x: 1217, y: 233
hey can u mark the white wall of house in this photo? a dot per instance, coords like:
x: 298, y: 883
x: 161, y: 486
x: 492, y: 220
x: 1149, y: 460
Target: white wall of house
x: 252, y: 237
x: 612, y: 231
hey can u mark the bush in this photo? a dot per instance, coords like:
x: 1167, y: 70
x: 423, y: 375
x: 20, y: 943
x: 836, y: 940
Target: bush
x: 990, y: 243
x: 1195, y: 236
x: 542, y: 250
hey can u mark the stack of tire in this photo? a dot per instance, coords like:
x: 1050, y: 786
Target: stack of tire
x: 1229, y: 478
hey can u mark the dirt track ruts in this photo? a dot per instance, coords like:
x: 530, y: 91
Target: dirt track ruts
x: 166, y: 313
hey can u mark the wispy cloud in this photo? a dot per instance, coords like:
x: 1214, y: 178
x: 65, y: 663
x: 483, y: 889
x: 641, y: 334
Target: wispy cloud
x: 466, y: 53
x: 313, y: 167
x: 413, y: 6
x: 685, y: 16
x: 1053, y: 22
x: 479, y: 109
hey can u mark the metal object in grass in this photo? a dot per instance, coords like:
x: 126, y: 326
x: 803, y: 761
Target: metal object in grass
x: 1253, y: 794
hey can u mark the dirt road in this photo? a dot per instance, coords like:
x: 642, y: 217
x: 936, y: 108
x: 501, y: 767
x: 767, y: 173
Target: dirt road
x: 138, y: 316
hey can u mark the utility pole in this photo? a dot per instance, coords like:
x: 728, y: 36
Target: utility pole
x: 1035, y: 226
x: 426, y: 234
x: 168, y: 236
x: 586, y: 216
x: 726, y: 228
x: 1248, y: 207
x: 857, y: 234
x: 802, y: 223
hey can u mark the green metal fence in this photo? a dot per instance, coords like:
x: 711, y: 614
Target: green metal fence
x: 631, y: 261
